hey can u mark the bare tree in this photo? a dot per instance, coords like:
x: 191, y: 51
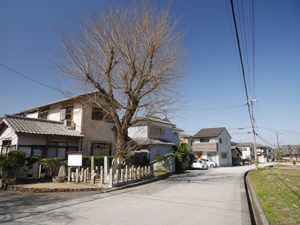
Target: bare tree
x: 129, y: 60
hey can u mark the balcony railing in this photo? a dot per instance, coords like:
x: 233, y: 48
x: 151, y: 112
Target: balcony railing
x: 205, y: 147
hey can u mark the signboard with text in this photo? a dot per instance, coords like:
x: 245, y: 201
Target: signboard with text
x: 74, y: 158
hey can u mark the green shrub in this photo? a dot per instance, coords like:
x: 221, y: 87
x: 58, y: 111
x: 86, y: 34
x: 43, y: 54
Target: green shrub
x: 11, y: 162
x: 51, y: 165
x: 32, y: 160
x: 137, y: 159
x: 181, y: 152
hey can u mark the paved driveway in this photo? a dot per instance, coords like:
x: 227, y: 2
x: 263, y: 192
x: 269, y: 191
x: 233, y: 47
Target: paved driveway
x: 216, y: 196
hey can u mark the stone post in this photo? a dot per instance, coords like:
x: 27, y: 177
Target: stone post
x: 126, y: 174
x: 73, y: 176
x: 122, y: 175
x: 69, y: 174
x: 92, y: 163
x: 87, y: 173
x: 97, y: 170
x: 143, y: 171
x: 77, y: 175
x: 117, y: 176
x: 133, y: 173
x: 81, y: 174
x: 139, y: 173
x: 40, y: 171
x: 85, y: 176
x: 110, y: 182
x: 105, y: 166
x: 93, y: 176
x: 101, y: 175
x: 152, y: 170
x: 130, y: 174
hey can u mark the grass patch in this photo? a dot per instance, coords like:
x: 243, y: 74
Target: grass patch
x: 278, y: 190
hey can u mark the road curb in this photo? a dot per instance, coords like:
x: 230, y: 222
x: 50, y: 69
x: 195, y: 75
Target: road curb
x: 255, y: 208
x: 16, y: 188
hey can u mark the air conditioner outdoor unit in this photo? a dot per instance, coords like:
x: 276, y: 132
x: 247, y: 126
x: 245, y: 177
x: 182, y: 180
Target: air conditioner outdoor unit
x: 69, y: 124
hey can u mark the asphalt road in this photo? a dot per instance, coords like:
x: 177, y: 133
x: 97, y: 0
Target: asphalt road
x: 216, y: 196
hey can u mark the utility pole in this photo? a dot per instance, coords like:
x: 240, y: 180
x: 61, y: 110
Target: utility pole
x: 277, y: 138
x: 250, y: 103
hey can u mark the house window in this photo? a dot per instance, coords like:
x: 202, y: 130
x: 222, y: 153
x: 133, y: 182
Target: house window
x: 66, y: 113
x: 224, y: 155
x: 204, y: 139
x: 58, y: 149
x: 97, y: 114
x: 43, y: 114
x: 101, y: 149
x: 6, y: 144
x: 220, y: 140
x: 157, y: 131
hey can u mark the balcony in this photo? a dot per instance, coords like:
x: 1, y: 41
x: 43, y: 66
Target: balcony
x: 205, y: 147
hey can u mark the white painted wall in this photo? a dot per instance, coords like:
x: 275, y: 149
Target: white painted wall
x: 225, y: 146
x: 8, y: 134
x: 33, y: 115
x: 159, y: 149
x: 138, y: 131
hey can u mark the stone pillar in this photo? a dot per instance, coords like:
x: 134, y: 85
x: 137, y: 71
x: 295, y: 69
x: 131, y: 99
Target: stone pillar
x: 97, y: 170
x: 92, y: 163
x: 152, y: 170
x: 110, y: 182
x: 93, y: 176
x: 40, y: 171
x: 130, y: 174
x: 85, y: 176
x: 122, y: 175
x: 105, y: 166
x: 101, y: 174
x: 139, y: 173
x: 117, y: 176
x: 126, y: 174
x: 69, y: 174
x: 81, y: 174
x: 77, y: 175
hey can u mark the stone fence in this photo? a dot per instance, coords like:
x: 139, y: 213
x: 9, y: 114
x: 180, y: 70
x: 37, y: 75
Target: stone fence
x: 105, y: 177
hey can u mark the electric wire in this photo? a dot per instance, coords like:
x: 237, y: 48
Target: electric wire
x: 28, y: 77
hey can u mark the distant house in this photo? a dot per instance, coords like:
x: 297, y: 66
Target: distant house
x: 264, y: 153
x: 159, y: 133
x: 247, y: 149
x: 213, y: 144
x: 236, y: 155
x: 53, y: 129
x: 292, y: 152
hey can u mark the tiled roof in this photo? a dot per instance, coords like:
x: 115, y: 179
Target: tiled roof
x: 209, y: 132
x: 151, y: 141
x: 21, y: 124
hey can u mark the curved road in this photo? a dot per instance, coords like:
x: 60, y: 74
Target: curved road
x: 216, y: 196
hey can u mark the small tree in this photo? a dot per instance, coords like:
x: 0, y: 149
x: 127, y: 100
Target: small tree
x: 290, y: 152
x: 51, y: 165
x: 11, y: 162
x: 278, y: 153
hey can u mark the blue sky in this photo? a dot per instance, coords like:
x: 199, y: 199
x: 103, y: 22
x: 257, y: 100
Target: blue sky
x: 213, y: 92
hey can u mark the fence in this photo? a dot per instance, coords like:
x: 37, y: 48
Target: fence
x: 105, y: 177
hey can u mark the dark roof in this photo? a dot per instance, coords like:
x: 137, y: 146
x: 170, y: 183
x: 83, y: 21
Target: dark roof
x: 152, y: 141
x: 209, y: 132
x: 285, y: 148
x: 21, y: 124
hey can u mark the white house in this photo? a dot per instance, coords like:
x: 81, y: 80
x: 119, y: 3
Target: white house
x: 159, y: 133
x: 53, y: 129
x: 247, y: 149
x: 213, y: 144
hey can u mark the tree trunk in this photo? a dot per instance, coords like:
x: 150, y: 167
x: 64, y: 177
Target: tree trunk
x: 121, y: 152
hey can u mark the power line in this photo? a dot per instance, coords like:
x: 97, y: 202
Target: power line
x: 28, y: 77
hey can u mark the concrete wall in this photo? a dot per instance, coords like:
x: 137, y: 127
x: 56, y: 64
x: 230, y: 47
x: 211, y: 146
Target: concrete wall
x: 138, y: 131
x: 169, y: 134
x: 224, y: 147
x: 95, y: 131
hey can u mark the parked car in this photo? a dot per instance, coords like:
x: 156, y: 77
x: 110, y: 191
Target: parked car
x: 210, y: 163
x: 199, y: 164
x: 246, y: 162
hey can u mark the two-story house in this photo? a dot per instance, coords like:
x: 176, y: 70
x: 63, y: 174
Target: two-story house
x: 160, y: 134
x: 54, y: 129
x: 213, y: 144
x: 247, y: 149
